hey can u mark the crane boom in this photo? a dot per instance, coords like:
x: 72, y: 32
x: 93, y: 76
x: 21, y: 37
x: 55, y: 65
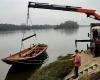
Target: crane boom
x: 88, y: 12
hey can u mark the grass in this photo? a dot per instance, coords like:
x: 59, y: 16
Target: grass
x: 56, y: 70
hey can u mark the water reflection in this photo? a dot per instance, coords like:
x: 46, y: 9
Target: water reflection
x: 11, y: 32
x: 68, y: 31
x: 23, y: 71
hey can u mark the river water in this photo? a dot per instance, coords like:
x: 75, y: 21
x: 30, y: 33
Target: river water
x: 60, y: 42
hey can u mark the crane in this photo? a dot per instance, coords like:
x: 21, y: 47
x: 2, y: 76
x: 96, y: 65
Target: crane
x: 89, y: 12
x: 94, y: 44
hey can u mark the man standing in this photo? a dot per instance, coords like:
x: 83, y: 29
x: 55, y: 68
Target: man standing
x: 77, y: 62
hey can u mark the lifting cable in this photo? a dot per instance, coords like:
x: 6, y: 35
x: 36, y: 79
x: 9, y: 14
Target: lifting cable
x: 75, y: 44
x: 30, y: 20
x: 28, y: 27
x: 24, y: 30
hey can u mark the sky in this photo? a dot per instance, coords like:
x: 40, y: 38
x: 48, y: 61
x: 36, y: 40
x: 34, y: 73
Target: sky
x: 15, y: 12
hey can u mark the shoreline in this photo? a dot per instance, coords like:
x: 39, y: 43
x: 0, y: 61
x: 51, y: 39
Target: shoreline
x: 89, y: 67
x: 56, y: 70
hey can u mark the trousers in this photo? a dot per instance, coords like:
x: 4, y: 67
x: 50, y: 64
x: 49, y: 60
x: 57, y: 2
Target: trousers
x: 76, y: 71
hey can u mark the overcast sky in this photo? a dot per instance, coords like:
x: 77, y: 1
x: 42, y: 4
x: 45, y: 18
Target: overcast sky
x: 14, y: 12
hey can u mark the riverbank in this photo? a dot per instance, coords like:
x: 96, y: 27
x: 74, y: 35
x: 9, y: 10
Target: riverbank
x: 94, y: 73
x: 90, y: 67
x: 56, y: 70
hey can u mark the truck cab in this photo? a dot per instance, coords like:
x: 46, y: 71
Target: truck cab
x: 95, y: 38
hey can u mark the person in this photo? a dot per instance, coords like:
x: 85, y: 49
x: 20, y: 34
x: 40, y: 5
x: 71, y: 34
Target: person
x: 95, y: 34
x: 77, y: 62
x: 96, y: 50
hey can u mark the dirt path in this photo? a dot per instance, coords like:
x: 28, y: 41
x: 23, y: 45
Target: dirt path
x: 86, y: 60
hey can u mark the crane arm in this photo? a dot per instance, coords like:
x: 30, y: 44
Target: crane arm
x: 89, y: 12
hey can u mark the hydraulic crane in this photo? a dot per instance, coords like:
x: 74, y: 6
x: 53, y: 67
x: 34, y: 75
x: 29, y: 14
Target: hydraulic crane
x: 94, y: 43
x: 89, y: 12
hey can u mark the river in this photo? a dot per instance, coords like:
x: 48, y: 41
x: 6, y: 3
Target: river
x: 60, y: 42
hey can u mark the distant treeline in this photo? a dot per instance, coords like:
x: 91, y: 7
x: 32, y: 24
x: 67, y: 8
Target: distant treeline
x: 67, y: 24
x: 22, y: 27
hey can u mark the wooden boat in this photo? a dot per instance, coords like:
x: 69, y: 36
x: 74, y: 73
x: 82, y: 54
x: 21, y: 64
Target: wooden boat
x: 27, y: 55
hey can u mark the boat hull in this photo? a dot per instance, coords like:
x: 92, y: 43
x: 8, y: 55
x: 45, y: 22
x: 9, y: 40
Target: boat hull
x: 37, y: 60
x: 41, y: 56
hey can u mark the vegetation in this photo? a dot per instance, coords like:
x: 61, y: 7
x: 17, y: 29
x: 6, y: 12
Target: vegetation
x: 22, y: 27
x: 65, y: 25
x: 68, y: 24
x: 54, y: 71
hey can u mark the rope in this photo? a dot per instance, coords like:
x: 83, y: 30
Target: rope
x: 24, y: 30
x: 27, y: 25
x: 75, y: 44
x: 36, y: 40
x: 29, y: 17
x: 30, y: 20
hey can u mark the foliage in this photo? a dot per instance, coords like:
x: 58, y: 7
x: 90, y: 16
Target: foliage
x: 6, y: 27
x: 54, y: 71
x: 65, y: 25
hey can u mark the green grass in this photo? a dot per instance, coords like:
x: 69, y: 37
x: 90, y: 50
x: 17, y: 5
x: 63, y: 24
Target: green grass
x: 56, y: 70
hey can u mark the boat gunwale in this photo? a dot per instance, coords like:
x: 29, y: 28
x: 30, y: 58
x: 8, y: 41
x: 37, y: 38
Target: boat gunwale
x: 24, y: 58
